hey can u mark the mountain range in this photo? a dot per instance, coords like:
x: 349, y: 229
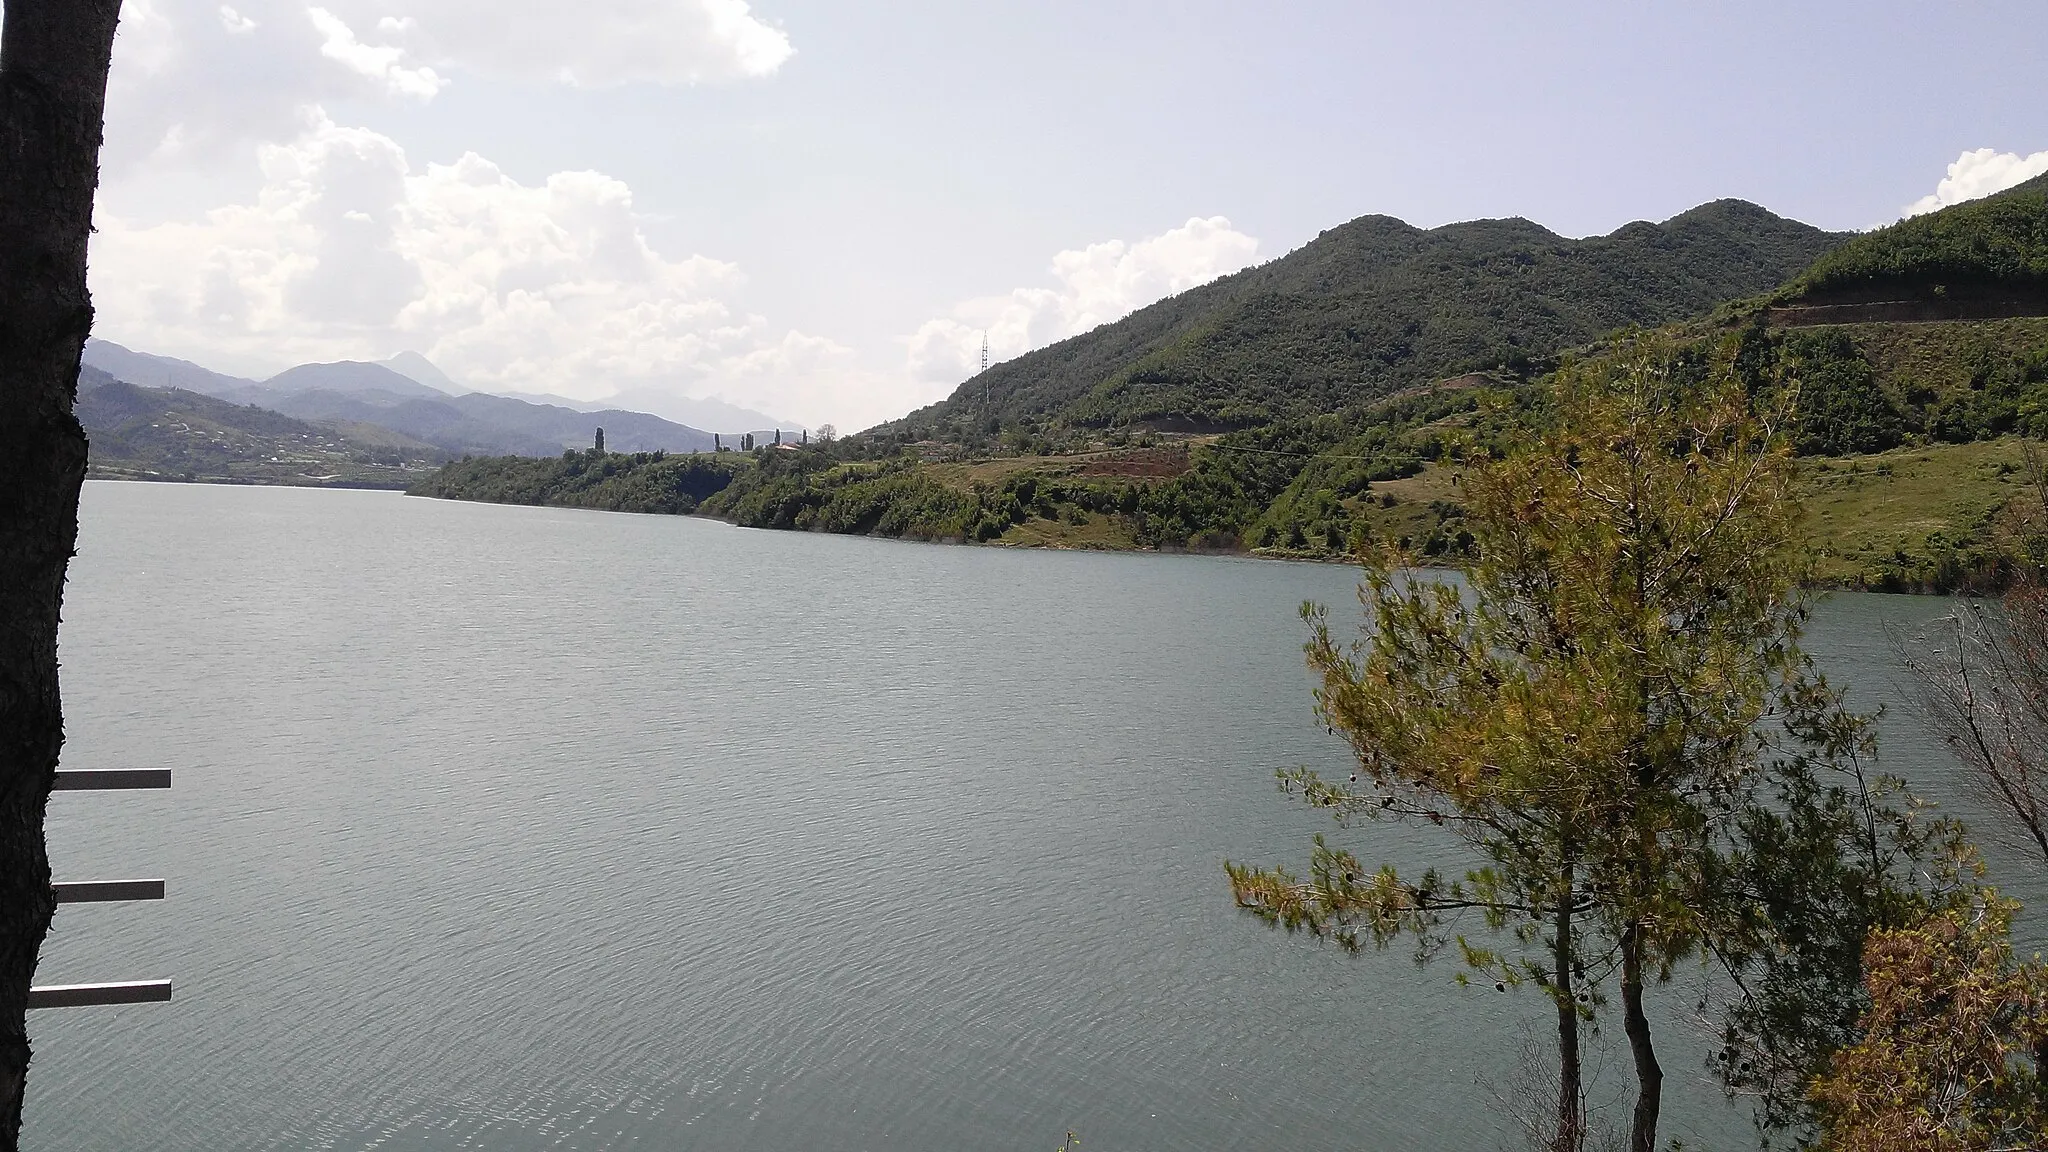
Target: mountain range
x: 135, y: 432
x: 416, y: 410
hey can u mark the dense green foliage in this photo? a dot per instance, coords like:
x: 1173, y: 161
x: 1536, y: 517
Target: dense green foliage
x: 1841, y: 408
x: 1368, y: 309
x: 1869, y: 387
x: 1297, y: 484
x: 613, y: 482
x: 1994, y: 247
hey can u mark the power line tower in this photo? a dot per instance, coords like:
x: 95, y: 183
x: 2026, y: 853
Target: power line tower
x: 984, y: 372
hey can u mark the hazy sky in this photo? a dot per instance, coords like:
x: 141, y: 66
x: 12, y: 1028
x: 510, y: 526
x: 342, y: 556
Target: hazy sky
x: 816, y: 207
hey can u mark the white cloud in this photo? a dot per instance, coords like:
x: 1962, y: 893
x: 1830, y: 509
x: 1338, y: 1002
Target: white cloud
x: 209, y: 77
x: 193, y: 82
x: 1979, y: 173
x: 603, y: 43
x: 1095, y: 285
x: 348, y: 252
x: 383, y: 63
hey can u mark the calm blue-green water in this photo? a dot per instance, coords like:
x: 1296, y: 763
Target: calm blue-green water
x: 511, y: 828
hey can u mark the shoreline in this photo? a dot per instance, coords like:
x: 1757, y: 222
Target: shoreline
x: 1273, y: 556
x: 1972, y: 590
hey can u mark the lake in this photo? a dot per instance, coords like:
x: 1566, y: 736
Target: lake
x: 519, y: 828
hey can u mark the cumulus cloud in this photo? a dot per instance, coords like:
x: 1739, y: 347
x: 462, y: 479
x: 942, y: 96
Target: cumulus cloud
x: 1093, y: 286
x: 1979, y: 173
x: 194, y: 82
x: 603, y: 43
x: 383, y: 63
x: 193, y: 77
x: 348, y: 251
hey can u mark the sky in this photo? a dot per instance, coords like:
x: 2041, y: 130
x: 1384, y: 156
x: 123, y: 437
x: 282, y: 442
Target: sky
x: 818, y: 208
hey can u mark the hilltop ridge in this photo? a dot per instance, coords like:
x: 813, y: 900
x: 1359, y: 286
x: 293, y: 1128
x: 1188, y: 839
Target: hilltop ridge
x: 409, y: 409
x: 1368, y: 308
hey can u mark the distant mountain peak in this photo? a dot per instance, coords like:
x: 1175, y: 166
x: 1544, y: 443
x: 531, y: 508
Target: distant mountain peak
x: 352, y: 376
x: 420, y: 370
x: 152, y: 371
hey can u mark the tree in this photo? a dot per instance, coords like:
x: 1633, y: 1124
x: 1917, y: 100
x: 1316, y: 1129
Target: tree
x: 1820, y: 854
x: 827, y: 433
x: 1594, y: 714
x: 1944, y: 1063
x: 54, y: 56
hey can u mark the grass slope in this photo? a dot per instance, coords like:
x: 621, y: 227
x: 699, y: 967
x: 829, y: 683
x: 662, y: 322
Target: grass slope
x: 1912, y: 519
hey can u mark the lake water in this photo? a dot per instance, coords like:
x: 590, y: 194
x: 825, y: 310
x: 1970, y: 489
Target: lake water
x: 516, y: 828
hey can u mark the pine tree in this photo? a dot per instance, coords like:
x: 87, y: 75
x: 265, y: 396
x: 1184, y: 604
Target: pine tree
x: 1616, y: 688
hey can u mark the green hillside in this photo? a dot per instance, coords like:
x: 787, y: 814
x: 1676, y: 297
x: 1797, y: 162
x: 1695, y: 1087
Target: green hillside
x: 1983, y: 258
x: 1368, y: 309
x: 1909, y: 425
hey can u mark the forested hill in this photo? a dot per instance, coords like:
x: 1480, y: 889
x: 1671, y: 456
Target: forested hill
x: 1372, y: 307
x: 1979, y: 260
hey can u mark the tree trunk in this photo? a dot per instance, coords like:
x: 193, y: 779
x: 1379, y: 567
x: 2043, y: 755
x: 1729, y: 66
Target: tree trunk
x: 53, y: 82
x: 1649, y: 1075
x: 1571, y: 1113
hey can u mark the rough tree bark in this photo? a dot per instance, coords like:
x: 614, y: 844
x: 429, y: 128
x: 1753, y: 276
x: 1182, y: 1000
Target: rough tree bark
x: 53, y: 82
x: 1636, y: 1025
x: 1571, y: 1093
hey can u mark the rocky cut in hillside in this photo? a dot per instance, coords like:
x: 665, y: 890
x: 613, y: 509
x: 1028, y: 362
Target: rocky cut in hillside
x: 1372, y: 307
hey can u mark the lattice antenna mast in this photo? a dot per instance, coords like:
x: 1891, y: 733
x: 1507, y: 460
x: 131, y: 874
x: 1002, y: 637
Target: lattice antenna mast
x: 984, y: 372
